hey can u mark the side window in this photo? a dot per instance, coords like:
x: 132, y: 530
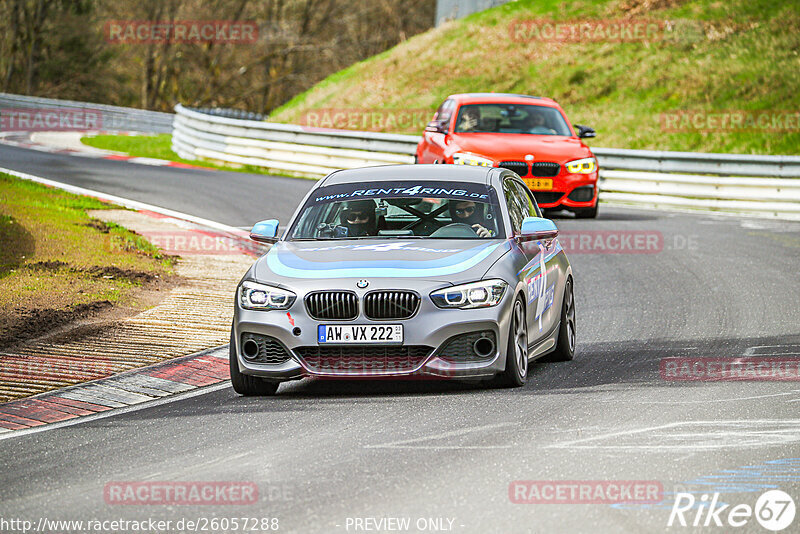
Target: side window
x: 445, y: 111
x: 530, y: 206
x: 516, y: 209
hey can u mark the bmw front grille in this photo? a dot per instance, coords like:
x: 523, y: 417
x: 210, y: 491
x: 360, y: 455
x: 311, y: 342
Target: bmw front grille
x: 390, y: 304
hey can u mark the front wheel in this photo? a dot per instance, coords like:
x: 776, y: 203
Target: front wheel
x: 247, y: 385
x: 516, y: 373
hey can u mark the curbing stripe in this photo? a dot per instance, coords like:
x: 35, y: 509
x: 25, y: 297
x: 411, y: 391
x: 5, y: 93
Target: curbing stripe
x: 85, y: 396
x: 64, y: 407
x: 136, y: 387
x: 38, y: 411
x: 107, y: 391
x: 131, y: 387
x: 158, y: 384
x: 8, y: 426
x: 72, y: 403
x: 188, y: 374
x: 11, y: 418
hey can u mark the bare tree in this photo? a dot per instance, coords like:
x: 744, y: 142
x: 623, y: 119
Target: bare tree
x: 58, y: 48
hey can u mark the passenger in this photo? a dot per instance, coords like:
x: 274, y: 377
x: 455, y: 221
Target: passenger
x: 535, y: 124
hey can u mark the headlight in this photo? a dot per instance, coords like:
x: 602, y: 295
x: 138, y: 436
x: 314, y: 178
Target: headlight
x: 582, y: 166
x: 254, y: 296
x: 465, y: 158
x: 467, y: 296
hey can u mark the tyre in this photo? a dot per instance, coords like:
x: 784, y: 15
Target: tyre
x: 585, y: 213
x: 516, y: 373
x: 246, y: 385
x: 565, y: 345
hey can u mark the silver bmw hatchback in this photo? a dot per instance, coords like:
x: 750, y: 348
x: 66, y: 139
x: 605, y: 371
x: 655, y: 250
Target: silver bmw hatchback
x: 437, y: 271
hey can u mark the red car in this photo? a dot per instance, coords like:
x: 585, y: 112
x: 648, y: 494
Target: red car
x: 528, y: 134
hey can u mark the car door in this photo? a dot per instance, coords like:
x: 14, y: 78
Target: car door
x: 523, y: 252
x: 542, y: 274
x: 434, y: 142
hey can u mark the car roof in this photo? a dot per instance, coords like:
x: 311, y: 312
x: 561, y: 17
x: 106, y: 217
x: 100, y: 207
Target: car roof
x: 504, y: 98
x: 393, y: 173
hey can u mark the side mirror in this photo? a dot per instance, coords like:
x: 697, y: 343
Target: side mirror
x: 439, y: 126
x: 585, y: 131
x: 537, y: 228
x: 265, y: 231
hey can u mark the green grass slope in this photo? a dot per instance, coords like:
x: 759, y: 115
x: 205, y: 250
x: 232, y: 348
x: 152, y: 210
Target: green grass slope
x: 712, y: 56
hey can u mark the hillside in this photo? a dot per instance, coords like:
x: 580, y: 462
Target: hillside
x: 724, y: 59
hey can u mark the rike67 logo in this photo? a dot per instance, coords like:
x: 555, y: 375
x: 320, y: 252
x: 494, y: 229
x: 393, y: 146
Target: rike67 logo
x: 774, y: 510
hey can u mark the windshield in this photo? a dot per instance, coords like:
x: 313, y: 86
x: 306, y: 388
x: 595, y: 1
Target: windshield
x: 511, y: 118
x: 390, y: 210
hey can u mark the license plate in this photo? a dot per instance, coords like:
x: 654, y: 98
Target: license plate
x: 539, y: 183
x: 353, y: 333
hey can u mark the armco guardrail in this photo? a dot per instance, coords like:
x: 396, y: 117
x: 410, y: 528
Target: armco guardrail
x: 113, y: 118
x: 284, y: 147
x: 763, y: 186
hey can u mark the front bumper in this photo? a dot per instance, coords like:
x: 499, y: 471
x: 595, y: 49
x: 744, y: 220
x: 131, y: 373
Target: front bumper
x: 566, y: 186
x: 430, y: 327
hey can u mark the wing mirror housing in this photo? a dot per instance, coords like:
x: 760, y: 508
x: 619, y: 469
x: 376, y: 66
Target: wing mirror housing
x: 437, y: 126
x: 537, y: 228
x: 585, y: 131
x: 265, y: 231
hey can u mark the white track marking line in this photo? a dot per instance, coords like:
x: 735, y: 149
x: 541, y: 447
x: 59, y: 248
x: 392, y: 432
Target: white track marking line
x: 752, y: 351
x: 794, y: 392
x: 128, y: 203
x: 408, y: 443
x: 584, y: 443
x: 118, y: 411
x: 441, y: 447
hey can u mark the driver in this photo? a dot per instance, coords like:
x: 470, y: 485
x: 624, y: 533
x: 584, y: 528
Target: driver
x: 470, y: 118
x: 469, y: 213
x: 359, y: 218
